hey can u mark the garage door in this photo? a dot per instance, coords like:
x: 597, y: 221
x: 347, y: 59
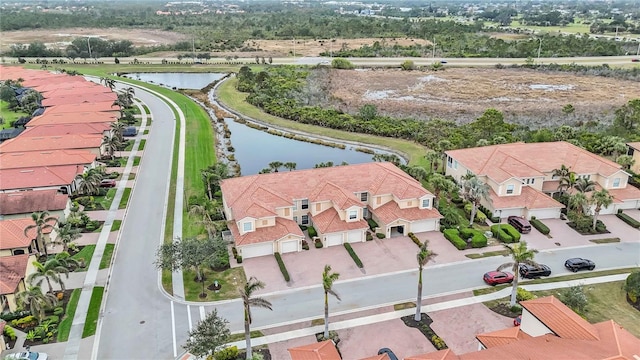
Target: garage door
x: 355, y: 236
x: 333, y: 239
x: 289, y: 246
x: 249, y: 251
x: 423, y: 225
x: 544, y: 213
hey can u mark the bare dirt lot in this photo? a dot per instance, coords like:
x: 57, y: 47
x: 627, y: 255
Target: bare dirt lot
x: 310, y: 47
x: 524, y: 96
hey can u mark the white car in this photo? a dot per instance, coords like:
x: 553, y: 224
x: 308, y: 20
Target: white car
x: 26, y: 355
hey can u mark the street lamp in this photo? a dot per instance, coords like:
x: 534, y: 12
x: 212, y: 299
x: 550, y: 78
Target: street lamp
x: 499, y: 221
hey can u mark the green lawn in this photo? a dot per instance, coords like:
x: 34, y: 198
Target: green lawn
x: 86, y: 253
x: 123, y: 160
x: 106, y: 256
x: 240, y: 336
x: 570, y: 28
x: 91, y: 322
x: 8, y: 116
x: 143, y: 142
x: 146, y: 131
x: 106, y: 200
x: 226, y: 278
x: 70, y: 312
x: 125, y: 198
x: 132, y: 176
x: 488, y: 253
x: 116, y: 225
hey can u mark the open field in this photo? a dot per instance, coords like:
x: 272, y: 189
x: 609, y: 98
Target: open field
x: 524, y: 96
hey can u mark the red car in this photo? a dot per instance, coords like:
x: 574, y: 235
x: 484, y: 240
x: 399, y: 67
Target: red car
x: 108, y: 183
x: 635, y: 60
x: 497, y: 277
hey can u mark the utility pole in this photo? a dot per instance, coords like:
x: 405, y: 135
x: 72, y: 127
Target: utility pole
x: 539, y: 47
x: 434, y: 47
x: 89, y: 46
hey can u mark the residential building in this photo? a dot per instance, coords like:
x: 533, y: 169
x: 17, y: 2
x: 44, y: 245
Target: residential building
x: 99, y: 128
x: 265, y: 211
x: 521, y: 181
x: 103, y: 106
x: 79, y: 99
x: 15, y: 242
x: 634, y: 151
x: 91, y: 143
x: 60, y: 178
x: 324, y: 350
x: 21, y: 204
x: 73, y: 118
x: 51, y: 158
x: 13, y: 272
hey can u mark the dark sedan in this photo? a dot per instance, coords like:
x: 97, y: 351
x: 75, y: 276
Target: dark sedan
x: 575, y: 264
x: 531, y: 272
x: 497, y: 277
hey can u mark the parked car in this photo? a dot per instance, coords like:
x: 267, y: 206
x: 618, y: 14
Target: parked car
x: 108, y: 183
x: 521, y: 224
x: 130, y: 131
x: 530, y: 272
x: 26, y: 355
x: 635, y: 60
x: 575, y: 264
x: 389, y: 353
x: 497, y: 277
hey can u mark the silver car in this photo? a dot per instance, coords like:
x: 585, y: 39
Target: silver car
x: 26, y: 355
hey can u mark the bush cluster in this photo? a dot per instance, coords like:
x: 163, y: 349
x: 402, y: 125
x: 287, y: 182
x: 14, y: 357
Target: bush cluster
x: 438, y: 342
x: 229, y: 353
x: 14, y: 315
x: 25, y: 322
x: 305, y: 245
x: 369, y: 236
x: 283, y: 268
x: 478, y: 239
x: 372, y: 224
x: 539, y: 226
x: 628, y: 219
x: 353, y: 255
x: 380, y: 235
x: 318, y: 244
x: 454, y: 237
x: 415, y: 239
x: 9, y: 332
x: 480, y: 218
x: 524, y: 295
x: 507, y: 234
x: 312, y: 232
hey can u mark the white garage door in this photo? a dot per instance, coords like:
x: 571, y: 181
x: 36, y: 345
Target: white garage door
x: 354, y: 236
x: 333, y: 239
x: 289, y: 246
x: 545, y: 213
x: 423, y: 225
x: 255, y: 250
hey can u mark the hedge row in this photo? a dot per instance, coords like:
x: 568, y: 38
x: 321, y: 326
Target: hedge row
x: 415, y: 239
x: 494, y: 219
x: 312, y: 232
x: 354, y: 256
x: 628, y: 219
x: 478, y: 239
x: 539, y: 226
x: 372, y: 224
x: 283, y: 268
x: 453, y: 235
x: 508, y: 233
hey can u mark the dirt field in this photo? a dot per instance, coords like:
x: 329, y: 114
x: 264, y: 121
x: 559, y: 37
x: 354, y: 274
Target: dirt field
x: 463, y: 94
x: 310, y: 47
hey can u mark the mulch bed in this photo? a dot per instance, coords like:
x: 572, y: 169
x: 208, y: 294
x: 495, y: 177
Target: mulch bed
x: 590, y: 232
x: 424, y: 325
x: 505, y: 310
x: 266, y: 354
x: 63, y: 303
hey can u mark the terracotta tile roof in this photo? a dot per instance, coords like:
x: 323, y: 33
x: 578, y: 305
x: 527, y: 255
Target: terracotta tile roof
x: 19, y: 160
x: 502, y: 337
x: 329, y: 221
x: 26, y: 202
x: 376, y: 178
x: 338, y: 196
x: 103, y: 106
x: 58, y: 142
x: 78, y: 91
x: 625, y: 194
x: 504, y: 161
x: 621, y: 342
x: 73, y: 118
x: 378, y: 357
x: 13, y: 179
x: 560, y: 319
x: 12, y: 233
x: 529, y: 198
x: 391, y: 211
x: 75, y: 99
x: 446, y: 354
x: 67, y: 129
x: 12, y: 270
x: 82, y: 83
x: 325, y: 350
x: 635, y: 145
x: 282, y: 228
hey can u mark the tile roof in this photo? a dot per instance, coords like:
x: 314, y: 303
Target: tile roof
x: 325, y: 350
x: 12, y: 270
x: 560, y: 319
x: 57, y: 142
x: 338, y: 196
x: 624, y: 194
x: 390, y: 212
x: 45, y: 88
x: 75, y: 99
x: 282, y: 228
x: 504, y: 161
x: 103, y: 106
x: 17, y: 160
x: 12, y: 233
x: 529, y: 198
x: 375, y: 178
x: 502, y: 337
x: 73, y: 118
x: 446, y: 354
x: 39, y: 177
x: 329, y: 221
x: 26, y: 202
x: 378, y: 357
x: 67, y: 129
x: 635, y: 145
x: 78, y: 91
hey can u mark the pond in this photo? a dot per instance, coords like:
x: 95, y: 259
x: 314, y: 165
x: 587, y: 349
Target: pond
x: 178, y: 80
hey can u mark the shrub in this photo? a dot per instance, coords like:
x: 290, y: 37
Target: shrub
x: 516, y: 309
x: 305, y: 245
x: 9, y: 332
x: 478, y: 240
x: 318, y: 244
x: 415, y: 239
x: 230, y: 353
x: 14, y: 315
x: 239, y: 259
x: 629, y: 220
x: 480, y: 218
x: 487, y: 212
x: 58, y: 311
x: 25, y: 322
x: 507, y: 234
x: 539, y: 226
x: 575, y: 298
x: 340, y: 63
x: 369, y: 236
x: 54, y: 319
x: 467, y: 233
x: 353, y: 255
x: 372, y: 224
x: 380, y: 235
x: 523, y: 295
x: 302, y: 227
x: 408, y: 65
x: 455, y: 239
x: 312, y: 231
x: 234, y: 251
x: 438, y: 342
x: 632, y: 286
x: 283, y: 268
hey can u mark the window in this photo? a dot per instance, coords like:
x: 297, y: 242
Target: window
x: 364, y: 196
x: 365, y: 212
x: 18, y: 252
x: 295, y: 218
x: 616, y: 182
x: 455, y: 164
x: 529, y: 181
x: 247, y: 226
x: 295, y: 205
x: 509, y: 189
x: 449, y: 161
x: 305, y: 204
x: 286, y: 211
x: 305, y: 219
x: 426, y: 203
x: 353, y: 214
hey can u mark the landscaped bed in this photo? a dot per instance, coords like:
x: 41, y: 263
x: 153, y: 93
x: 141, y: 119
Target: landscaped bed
x: 230, y: 281
x: 424, y: 325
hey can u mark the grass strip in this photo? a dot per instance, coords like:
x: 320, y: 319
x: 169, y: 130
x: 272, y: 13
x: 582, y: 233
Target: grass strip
x: 605, y: 241
x: 143, y: 142
x: 488, y: 253
x: 125, y: 198
x: 116, y: 225
x: 132, y: 176
x: 91, y: 322
x: 240, y: 336
x: 146, y: 131
x: 65, y: 324
x: 86, y: 253
x: 106, y: 200
x: 106, y: 256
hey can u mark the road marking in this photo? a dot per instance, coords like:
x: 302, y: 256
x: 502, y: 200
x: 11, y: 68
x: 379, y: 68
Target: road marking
x: 173, y: 331
x: 202, y: 313
x: 189, y: 317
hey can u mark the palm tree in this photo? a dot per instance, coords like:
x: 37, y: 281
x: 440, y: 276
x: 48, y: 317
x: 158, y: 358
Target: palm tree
x: 212, y: 175
x: 474, y: 190
x: 36, y: 301
x: 519, y: 255
x: 439, y: 183
x: 248, y: 301
x: 50, y: 271
x: 328, y: 278
x: 562, y: 172
x: 423, y: 256
x: 290, y: 166
x: 567, y: 182
x: 418, y: 172
x: 117, y: 128
x: 626, y: 161
x: 111, y: 142
x: 585, y: 185
x: 64, y: 259
x: 89, y: 182
x: 601, y: 199
x: 204, y: 212
x: 110, y: 83
x: 432, y: 157
x: 275, y: 165
x: 444, y: 145
x: 41, y: 222
x: 66, y: 235
x: 579, y: 202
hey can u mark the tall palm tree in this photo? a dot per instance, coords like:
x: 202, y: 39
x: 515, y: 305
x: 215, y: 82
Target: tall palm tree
x: 562, y: 172
x: 432, y: 157
x: 328, y: 278
x: 418, y: 172
x: 66, y: 235
x: 49, y: 271
x: 290, y: 166
x: 248, y: 301
x: 444, y: 145
x: 111, y: 142
x: 89, y: 182
x: 212, y: 175
x: 601, y: 199
x: 423, y: 256
x: 36, y: 301
x: 440, y: 184
x: 520, y: 254
x: 64, y: 259
x: 206, y: 220
x: 41, y: 222
x: 567, y: 182
x: 275, y: 165
x: 117, y: 128
x: 474, y: 190
x: 579, y: 202
x: 584, y: 185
